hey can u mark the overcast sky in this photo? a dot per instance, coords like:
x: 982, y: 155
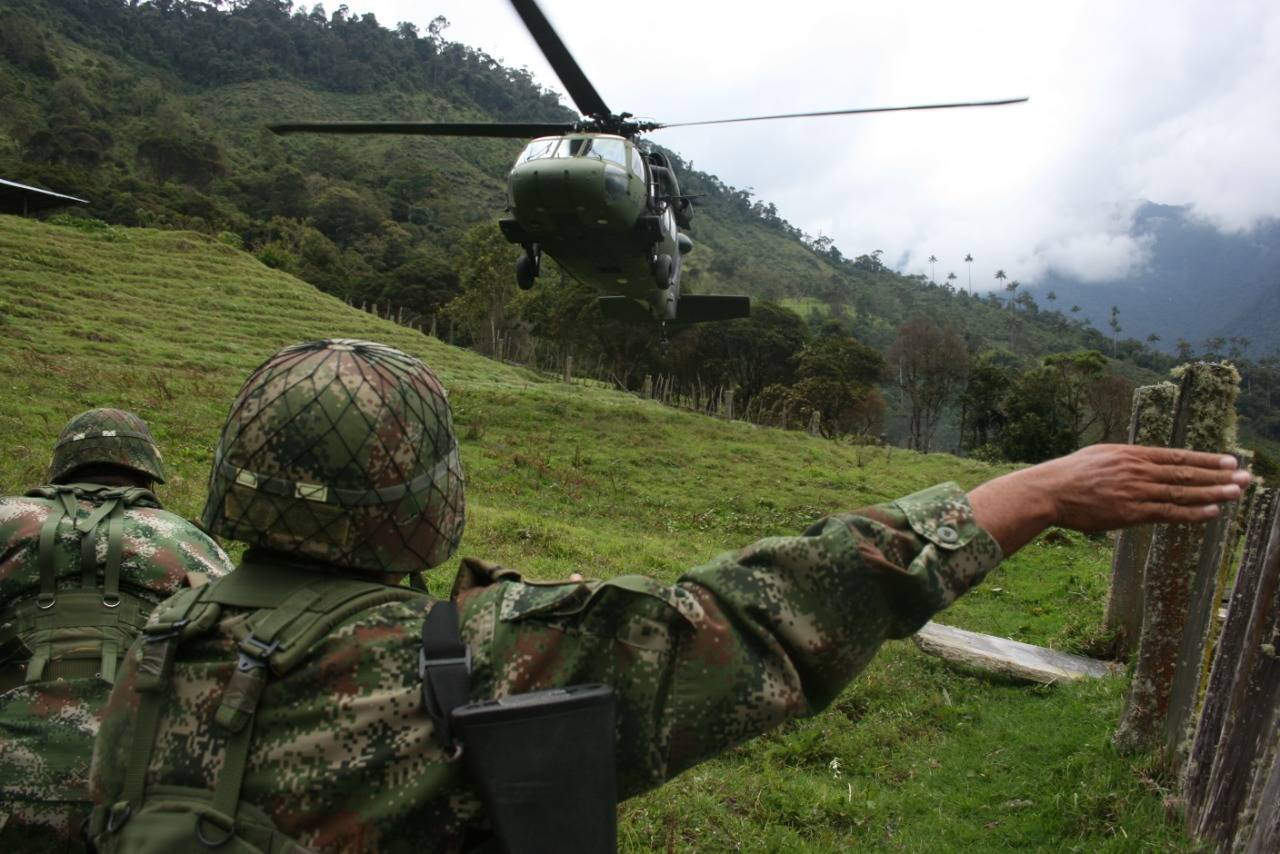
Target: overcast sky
x: 1176, y: 101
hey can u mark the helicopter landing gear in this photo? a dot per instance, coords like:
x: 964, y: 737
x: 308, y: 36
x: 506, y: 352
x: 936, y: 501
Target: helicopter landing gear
x: 663, y: 270
x: 528, y: 266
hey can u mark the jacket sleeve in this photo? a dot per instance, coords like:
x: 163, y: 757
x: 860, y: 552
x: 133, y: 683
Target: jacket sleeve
x: 737, y: 645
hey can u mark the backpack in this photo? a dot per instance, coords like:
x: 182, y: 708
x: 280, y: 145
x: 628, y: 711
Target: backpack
x: 78, y: 632
x: 293, y: 611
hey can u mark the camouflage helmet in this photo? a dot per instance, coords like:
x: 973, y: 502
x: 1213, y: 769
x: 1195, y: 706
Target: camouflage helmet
x: 342, y: 451
x: 106, y: 437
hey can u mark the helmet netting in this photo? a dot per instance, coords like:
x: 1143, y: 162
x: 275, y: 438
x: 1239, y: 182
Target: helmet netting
x: 342, y: 451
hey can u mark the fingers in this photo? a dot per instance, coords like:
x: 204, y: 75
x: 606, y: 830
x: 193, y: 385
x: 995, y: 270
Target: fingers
x: 1194, y: 476
x: 1188, y: 496
x: 1177, y: 513
x: 1182, y: 457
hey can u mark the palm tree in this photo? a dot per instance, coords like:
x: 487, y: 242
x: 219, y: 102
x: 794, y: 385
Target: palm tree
x: 1000, y: 277
x: 933, y: 259
x: 968, y: 259
x: 951, y: 277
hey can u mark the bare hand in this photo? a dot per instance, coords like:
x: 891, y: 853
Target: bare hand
x: 1103, y: 487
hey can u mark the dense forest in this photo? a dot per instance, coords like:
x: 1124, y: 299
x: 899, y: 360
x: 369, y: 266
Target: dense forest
x: 156, y: 112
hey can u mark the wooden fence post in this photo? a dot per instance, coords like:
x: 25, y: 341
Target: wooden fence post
x: 728, y: 404
x: 1151, y: 423
x: 433, y: 328
x: 646, y: 390
x: 1206, y: 593
x: 568, y: 369
x: 815, y: 423
x: 1265, y: 836
x: 1249, y: 685
x: 1260, y: 518
x: 1204, y: 420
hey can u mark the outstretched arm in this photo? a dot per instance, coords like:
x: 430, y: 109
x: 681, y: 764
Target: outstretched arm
x: 1103, y: 487
x: 778, y: 629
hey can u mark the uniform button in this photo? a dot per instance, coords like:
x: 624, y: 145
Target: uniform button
x: 947, y: 534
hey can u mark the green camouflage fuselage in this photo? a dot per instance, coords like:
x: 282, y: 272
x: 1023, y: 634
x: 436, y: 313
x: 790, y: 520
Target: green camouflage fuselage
x: 601, y: 218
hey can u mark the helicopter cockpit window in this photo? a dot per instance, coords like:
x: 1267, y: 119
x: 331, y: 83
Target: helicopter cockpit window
x: 538, y: 149
x: 572, y: 147
x: 609, y: 149
x: 637, y: 162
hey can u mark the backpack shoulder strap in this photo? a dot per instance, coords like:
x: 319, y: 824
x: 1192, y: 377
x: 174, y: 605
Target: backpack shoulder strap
x: 82, y: 609
x: 444, y: 666
x: 182, y: 616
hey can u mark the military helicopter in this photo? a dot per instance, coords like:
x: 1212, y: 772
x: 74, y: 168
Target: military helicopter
x: 607, y: 209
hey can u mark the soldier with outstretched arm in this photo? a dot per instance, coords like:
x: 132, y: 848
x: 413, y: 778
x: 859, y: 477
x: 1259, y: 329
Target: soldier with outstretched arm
x: 308, y: 699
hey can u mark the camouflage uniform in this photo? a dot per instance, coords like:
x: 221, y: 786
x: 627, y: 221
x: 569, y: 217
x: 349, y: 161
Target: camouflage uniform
x: 343, y: 756
x: 47, y: 727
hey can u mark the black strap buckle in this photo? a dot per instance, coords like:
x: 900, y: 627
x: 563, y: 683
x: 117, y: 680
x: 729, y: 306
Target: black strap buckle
x: 425, y: 663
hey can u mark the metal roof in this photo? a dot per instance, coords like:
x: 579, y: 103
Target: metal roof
x: 18, y: 198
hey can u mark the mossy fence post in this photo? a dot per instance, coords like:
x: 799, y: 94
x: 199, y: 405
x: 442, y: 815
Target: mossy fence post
x: 1206, y: 593
x: 1204, y: 420
x: 1236, y: 739
x: 1150, y: 424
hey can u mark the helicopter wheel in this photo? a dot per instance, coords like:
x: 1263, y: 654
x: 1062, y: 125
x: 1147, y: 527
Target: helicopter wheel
x: 662, y: 271
x: 526, y: 271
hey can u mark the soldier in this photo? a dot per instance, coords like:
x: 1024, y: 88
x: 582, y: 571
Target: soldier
x: 306, y: 698
x: 82, y: 563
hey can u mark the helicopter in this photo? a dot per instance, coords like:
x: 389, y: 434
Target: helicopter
x: 605, y: 206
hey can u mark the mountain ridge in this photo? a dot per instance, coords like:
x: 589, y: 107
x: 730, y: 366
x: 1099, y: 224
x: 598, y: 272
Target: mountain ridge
x: 1197, y: 283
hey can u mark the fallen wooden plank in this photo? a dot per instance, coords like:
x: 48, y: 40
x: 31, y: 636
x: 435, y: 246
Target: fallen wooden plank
x: 1009, y: 657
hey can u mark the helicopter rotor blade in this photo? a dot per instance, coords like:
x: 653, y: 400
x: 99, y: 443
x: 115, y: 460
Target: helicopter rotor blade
x: 503, y: 130
x: 567, y: 69
x: 842, y: 113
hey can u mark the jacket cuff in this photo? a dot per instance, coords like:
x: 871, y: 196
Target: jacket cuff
x: 964, y: 551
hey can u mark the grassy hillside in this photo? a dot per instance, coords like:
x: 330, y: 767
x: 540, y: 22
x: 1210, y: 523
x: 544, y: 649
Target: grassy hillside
x: 914, y: 756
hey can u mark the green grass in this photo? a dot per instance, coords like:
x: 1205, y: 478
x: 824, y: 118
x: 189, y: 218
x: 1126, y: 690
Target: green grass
x: 568, y: 478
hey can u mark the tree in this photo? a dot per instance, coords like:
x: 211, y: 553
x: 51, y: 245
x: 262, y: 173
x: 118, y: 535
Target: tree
x: 835, y: 377
x: 1110, y: 398
x: 344, y: 214
x: 951, y: 277
x: 933, y: 261
x: 1114, y: 323
x: 1048, y: 408
x: 968, y: 259
x: 485, y: 307
x: 928, y: 363
x: 982, y: 414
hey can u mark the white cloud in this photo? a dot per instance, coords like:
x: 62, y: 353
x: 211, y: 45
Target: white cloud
x: 1171, y: 101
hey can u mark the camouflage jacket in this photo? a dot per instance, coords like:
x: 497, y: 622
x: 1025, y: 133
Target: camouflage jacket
x: 47, y: 728
x: 343, y: 756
